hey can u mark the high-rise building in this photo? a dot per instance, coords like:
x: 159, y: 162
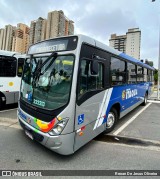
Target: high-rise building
x: 6, y: 37
x: 37, y: 30
x: 32, y: 32
x: 1, y: 38
x: 58, y: 25
x: 133, y: 42
x: 21, y: 38
x: 118, y: 42
x: 129, y: 43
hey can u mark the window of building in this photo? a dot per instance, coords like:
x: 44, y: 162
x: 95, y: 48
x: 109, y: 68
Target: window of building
x: 118, y: 71
x: 90, y: 82
x: 131, y: 70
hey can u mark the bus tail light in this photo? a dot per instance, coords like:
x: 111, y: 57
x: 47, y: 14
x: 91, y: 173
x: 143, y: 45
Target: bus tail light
x: 59, y: 126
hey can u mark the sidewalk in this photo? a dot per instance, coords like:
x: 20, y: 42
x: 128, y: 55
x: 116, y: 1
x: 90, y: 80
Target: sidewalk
x: 153, y: 96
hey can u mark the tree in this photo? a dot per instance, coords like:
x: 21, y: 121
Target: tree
x: 156, y: 76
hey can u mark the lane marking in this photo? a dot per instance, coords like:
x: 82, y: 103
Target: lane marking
x: 153, y: 101
x: 8, y: 110
x: 130, y: 120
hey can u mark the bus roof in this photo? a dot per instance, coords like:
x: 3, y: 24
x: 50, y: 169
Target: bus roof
x: 116, y: 52
x: 9, y: 53
x: 89, y: 40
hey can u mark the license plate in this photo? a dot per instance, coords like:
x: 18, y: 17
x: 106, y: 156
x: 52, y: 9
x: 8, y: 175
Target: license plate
x: 29, y: 134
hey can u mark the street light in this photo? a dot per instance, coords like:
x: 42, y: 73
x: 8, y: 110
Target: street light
x: 158, y: 90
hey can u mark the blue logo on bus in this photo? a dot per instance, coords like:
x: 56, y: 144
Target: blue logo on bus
x: 81, y: 119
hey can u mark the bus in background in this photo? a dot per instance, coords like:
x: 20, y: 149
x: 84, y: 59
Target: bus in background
x: 11, y: 67
x: 74, y: 88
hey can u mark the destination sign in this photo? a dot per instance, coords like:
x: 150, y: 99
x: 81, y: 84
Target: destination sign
x: 54, y: 45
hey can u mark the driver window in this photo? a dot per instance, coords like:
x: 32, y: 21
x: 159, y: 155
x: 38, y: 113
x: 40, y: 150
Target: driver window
x: 90, y: 82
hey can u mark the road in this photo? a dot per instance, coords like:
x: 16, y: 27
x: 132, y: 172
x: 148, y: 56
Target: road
x: 19, y: 152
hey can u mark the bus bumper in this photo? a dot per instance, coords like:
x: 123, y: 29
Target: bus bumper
x: 62, y: 144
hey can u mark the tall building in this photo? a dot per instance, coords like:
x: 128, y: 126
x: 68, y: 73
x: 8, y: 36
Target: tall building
x: 6, y: 37
x: 58, y: 25
x: 129, y: 43
x: 21, y: 38
x: 32, y: 32
x: 1, y: 38
x: 37, y: 30
x: 118, y: 42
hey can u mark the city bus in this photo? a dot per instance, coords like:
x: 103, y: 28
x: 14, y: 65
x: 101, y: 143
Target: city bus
x: 74, y: 88
x: 11, y: 66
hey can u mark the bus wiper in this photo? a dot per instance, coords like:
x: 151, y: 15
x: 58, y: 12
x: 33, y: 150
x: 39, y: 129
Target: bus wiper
x: 37, y: 72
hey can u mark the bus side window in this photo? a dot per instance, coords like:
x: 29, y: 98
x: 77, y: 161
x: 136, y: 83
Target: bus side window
x: 87, y: 81
x: 131, y: 68
x: 20, y: 67
x: 118, y: 71
x: 140, y: 74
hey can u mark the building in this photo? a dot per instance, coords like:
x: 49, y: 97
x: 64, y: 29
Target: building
x: 129, y: 43
x: 32, y: 32
x: 37, y: 30
x: 6, y: 37
x: 1, y: 38
x: 118, y: 42
x: 21, y: 38
x: 58, y: 25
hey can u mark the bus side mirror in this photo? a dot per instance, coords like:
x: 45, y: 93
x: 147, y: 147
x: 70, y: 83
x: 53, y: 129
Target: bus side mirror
x: 94, y: 67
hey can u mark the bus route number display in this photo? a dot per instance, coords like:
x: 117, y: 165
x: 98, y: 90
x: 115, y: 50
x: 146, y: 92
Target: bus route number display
x: 54, y: 45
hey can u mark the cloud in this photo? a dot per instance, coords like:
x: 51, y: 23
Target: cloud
x: 98, y: 19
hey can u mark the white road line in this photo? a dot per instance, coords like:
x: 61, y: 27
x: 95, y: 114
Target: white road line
x: 153, y: 101
x: 130, y: 120
x: 8, y: 110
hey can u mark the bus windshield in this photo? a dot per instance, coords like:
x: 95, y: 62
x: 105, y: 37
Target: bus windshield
x: 47, y: 85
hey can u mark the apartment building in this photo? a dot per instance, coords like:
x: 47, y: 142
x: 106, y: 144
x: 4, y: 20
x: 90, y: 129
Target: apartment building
x: 129, y: 43
x: 58, y: 25
x: 21, y: 38
x: 6, y: 37
x: 37, y: 30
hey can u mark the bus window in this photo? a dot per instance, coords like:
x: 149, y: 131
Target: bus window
x: 140, y: 75
x: 118, y: 71
x: 131, y: 68
x: 7, y: 67
x: 149, y: 76
x: 20, y: 67
x: 145, y: 75
x: 90, y: 82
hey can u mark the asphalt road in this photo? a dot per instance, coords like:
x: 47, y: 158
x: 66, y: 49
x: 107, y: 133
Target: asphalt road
x: 17, y: 151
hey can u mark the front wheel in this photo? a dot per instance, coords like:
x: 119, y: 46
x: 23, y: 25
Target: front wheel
x: 111, y: 120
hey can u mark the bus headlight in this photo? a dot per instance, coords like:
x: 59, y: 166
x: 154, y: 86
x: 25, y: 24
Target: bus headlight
x: 59, y: 126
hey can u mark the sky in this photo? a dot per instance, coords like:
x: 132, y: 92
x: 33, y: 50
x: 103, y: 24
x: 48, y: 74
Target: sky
x: 96, y: 18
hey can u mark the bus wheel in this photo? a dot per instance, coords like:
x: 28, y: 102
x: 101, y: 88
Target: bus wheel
x: 111, y: 120
x: 145, y: 100
x: 1, y: 103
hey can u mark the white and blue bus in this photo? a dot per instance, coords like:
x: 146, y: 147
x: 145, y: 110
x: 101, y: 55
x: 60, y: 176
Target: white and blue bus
x: 11, y: 67
x: 74, y: 88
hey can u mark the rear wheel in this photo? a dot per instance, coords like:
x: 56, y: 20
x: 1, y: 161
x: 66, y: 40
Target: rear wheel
x: 0, y: 103
x: 111, y: 120
x: 145, y: 100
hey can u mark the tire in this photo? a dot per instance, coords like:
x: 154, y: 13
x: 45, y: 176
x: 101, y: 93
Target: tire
x: 1, y: 104
x: 111, y: 120
x: 145, y: 100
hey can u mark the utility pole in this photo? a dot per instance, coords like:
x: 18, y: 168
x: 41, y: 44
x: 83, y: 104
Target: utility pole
x: 158, y: 87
